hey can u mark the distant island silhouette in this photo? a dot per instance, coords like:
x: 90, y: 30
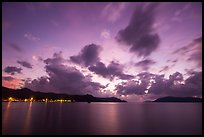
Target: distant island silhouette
x: 26, y: 94
x: 177, y: 99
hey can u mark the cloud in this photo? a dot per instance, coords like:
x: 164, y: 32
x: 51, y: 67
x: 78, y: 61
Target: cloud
x: 113, y: 11
x: 193, y: 50
x: 197, y: 55
x: 31, y: 37
x: 182, y: 10
x: 155, y: 84
x: 168, y: 67
x: 25, y: 64
x: 193, y: 85
x: 130, y: 87
x: 139, y: 35
x: 112, y: 70
x: 12, y: 70
x: 7, y: 78
x: 88, y: 55
x: 137, y: 87
x: 57, y: 59
x: 11, y: 82
x: 190, y: 72
x: 105, y: 34
x: 176, y: 86
x: 145, y: 64
x: 178, y: 13
x: 63, y: 79
x: 164, y: 69
x: 177, y: 76
x: 174, y: 61
x: 15, y: 47
x: 37, y: 58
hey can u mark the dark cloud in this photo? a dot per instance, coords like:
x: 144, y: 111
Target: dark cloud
x: 57, y: 59
x: 192, y: 50
x: 182, y: 50
x: 158, y: 86
x: 174, y: 61
x: 8, y: 78
x: 164, y: 69
x: 177, y: 76
x: 112, y: 70
x: 12, y: 70
x: 175, y: 85
x: 193, y: 85
x: 144, y: 78
x: 63, y: 79
x: 15, y: 47
x: 24, y: 64
x: 190, y: 72
x: 137, y: 87
x: 145, y: 64
x: 197, y: 40
x: 88, y: 55
x: 40, y: 59
x: 168, y: 67
x: 139, y: 35
x: 130, y: 87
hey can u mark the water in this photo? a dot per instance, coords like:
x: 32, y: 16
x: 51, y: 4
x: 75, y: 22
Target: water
x: 101, y: 118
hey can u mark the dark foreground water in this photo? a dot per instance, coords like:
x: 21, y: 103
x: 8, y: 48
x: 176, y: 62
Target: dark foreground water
x: 101, y: 118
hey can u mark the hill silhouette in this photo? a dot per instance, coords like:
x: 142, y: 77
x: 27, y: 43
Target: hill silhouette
x: 27, y: 93
x: 178, y: 99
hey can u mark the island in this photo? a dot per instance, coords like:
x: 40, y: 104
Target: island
x: 26, y: 95
x: 178, y: 99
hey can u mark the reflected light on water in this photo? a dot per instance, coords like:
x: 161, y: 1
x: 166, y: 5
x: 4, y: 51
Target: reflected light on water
x: 6, y: 115
x: 28, y: 119
x: 112, y: 116
x: 105, y: 118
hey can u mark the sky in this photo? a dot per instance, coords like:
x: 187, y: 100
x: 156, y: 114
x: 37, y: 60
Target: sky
x: 135, y: 51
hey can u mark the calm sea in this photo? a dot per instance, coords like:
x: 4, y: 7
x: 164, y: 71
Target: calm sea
x: 101, y: 118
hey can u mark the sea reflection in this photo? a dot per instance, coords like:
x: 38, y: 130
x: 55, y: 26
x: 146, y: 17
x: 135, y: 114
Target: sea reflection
x: 6, y: 115
x: 104, y: 118
x: 27, y: 121
x: 37, y: 118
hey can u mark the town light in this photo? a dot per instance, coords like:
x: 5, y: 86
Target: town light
x: 10, y: 99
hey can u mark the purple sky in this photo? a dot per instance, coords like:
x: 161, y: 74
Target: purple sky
x: 134, y: 51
